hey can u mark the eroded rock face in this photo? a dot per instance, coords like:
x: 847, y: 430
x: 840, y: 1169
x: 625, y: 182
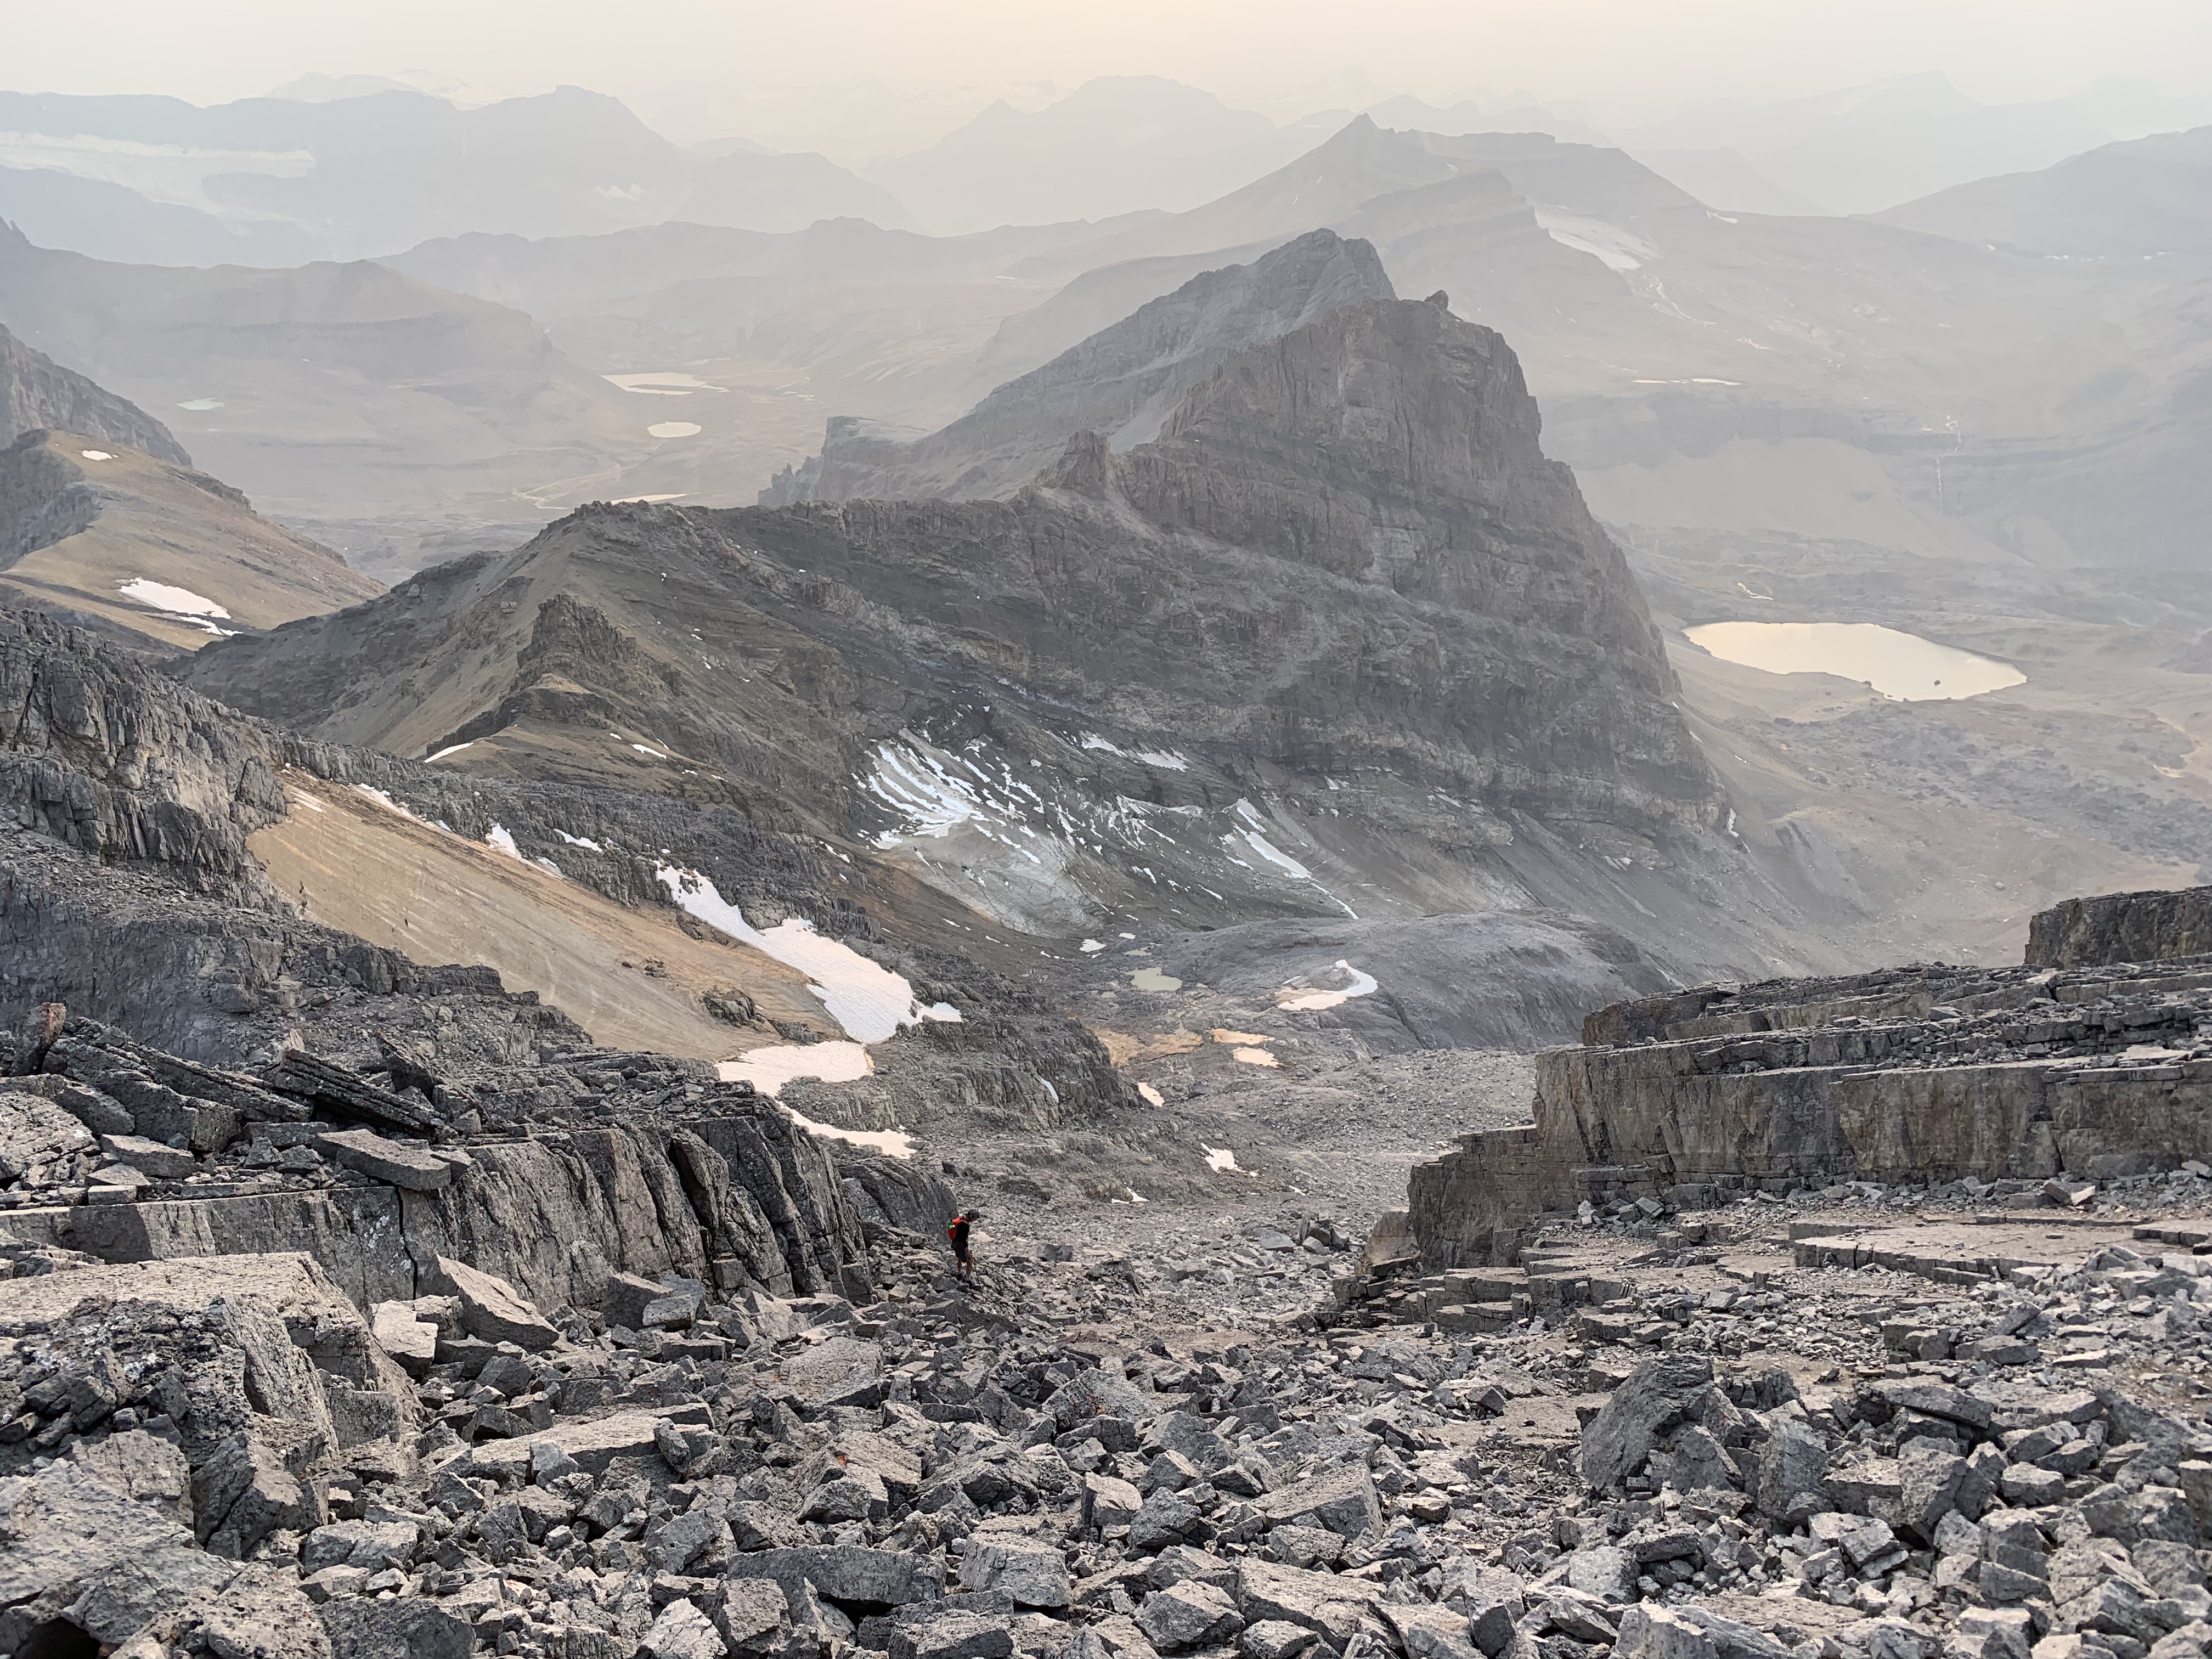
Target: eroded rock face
x: 656, y: 1173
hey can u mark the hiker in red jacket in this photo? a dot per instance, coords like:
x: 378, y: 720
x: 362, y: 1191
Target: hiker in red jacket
x: 957, y: 1232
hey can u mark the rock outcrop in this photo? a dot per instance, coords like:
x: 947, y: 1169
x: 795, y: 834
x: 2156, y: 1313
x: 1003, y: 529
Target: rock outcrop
x: 37, y: 393
x: 1122, y: 382
x: 2116, y: 927
x: 2058, y: 1073
x: 550, y: 1173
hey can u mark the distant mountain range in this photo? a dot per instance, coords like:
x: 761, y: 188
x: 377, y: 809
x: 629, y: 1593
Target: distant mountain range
x: 277, y: 181
x: 344, y: 167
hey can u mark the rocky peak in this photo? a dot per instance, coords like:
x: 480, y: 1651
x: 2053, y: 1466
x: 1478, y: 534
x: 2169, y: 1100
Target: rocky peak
x: 1122, y: 381
x: 1393, y: 443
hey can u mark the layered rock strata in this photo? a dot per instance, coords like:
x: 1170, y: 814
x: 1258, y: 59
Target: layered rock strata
x: 552, y: 1175
x: 2026, y: 1073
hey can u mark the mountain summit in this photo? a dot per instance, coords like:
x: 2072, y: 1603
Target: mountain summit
x: 1341, y: 639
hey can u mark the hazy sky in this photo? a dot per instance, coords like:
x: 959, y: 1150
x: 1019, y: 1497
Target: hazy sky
x: 1649, y: 54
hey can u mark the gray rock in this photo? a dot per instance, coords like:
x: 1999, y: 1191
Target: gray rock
x: 849, y: 1572
x: 1033, y: 1575
x: 1108, y: 1502
x: 1165, y: 1517
x: 1271, y: 1638
x: 624, y: 1298
x: 1700, y: 1462
x: 1651, y: 1631
x: 1320, y: 1602
x: 35, y: 1131
x: 1607, y: 1573
x: 1929, y: 1476
x: 1190, y: 1614
x: 408, y: 1339
x: 1492, y: 1600
x: 370, y: 1545
x: 1429, y: 1632
x: 408, y: 1628
x: 1659, y: 1397
x: 1995, y: 1633
x: 150, y: 1157
x: 1343, y: 1500
x: 752, y: 1613
x: 242, y: 1491
x: 683, y: 1632
x: 492, y: 1309
x: 369, y: 1153
x: 257, y: 1616
x: 951, y: 1636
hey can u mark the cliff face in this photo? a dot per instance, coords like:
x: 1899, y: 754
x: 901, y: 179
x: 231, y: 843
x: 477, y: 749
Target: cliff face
x: 2085, y: 932
x: 36, y: 392
x: 1341, y: 639
x: 1121, y: 382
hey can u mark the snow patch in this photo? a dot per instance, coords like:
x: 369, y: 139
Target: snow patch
x: 1255, y: 1056
x: 179, y: 605
x: 868, y: 1000
x: 500, y: 841
x: 672, y: 429
x: 1220, y: 1159
x: 1360, y: 985
x: 1091, y: 947
x: 450, y: 749
x: 96, y: 454
x: 1619, y: 249
x: 586, y: 842
x: 767, y: 1069
x: 1153, y: 1095
x: 648, y: 748
x: 895, y: 1143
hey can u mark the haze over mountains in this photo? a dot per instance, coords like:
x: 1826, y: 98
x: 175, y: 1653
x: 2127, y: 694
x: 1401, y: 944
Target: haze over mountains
x: 408, y: 330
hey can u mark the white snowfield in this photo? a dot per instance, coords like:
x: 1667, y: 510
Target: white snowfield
x: 868, y: 1001
x: 182, y: 601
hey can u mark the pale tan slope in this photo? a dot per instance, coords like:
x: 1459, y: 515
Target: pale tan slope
x: 350, y: 862
x: 154, y: 522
